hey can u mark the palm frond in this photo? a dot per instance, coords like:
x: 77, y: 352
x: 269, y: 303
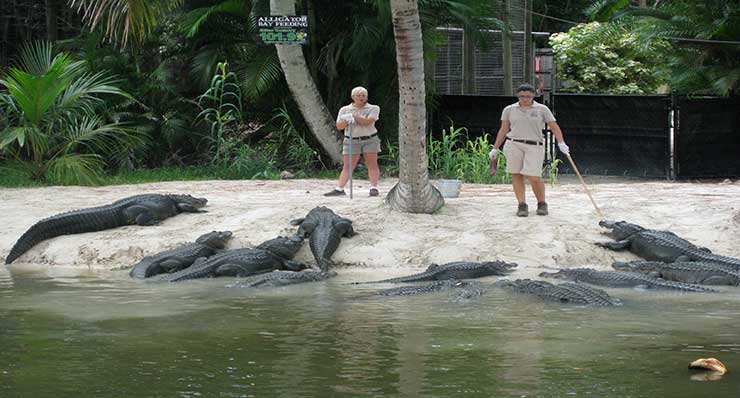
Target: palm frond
x: 196, y: 18
x: 123, y: 19
x: 76, y: 169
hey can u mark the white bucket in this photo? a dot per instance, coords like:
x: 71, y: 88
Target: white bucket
x: 449, y: 188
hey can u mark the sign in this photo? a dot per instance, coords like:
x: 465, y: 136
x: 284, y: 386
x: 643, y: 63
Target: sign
x: 275, y: 29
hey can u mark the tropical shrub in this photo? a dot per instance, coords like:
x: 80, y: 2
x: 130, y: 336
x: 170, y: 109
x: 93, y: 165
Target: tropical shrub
x: 455, y: 156
x: 606, y: 58
x: 55, y: 125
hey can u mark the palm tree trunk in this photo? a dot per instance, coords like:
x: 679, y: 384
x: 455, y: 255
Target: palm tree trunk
x: 51, y: 20
x: 413, y: 193
x: 303, y: 88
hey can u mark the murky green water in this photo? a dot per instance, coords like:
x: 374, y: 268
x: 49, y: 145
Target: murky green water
x: 72, y: 334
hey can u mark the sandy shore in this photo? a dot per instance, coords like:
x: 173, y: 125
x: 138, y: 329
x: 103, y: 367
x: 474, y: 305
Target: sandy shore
x: 479, y: 225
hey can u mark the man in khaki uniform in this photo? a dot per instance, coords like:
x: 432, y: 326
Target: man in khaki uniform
x: 521, y: 127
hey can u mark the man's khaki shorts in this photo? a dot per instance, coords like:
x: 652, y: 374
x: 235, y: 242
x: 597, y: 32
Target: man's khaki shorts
x: 370, y: 145
x: 524, y: 158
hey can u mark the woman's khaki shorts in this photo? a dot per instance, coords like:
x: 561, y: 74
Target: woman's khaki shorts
x: 524, y: 158
x: 370, y: 145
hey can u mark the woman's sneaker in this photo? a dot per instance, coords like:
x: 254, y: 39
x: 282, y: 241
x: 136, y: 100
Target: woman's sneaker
x: 335, y: 192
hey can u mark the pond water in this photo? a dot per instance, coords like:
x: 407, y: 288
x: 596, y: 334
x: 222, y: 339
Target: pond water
x: 100, y: 334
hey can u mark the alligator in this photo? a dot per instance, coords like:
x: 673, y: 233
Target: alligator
x: 181, y: 257
x: 146, y: 209
x: 468, y: 289
x: 283, y: 278
x: 621, y: 279
x: 698, y: 272
x: 270, y: 255
x: 659, y: 245
x: 566, y: 293
x: 455, y: 270
x: 325, y: 230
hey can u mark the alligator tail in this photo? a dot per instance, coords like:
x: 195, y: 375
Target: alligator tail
x: 63, y: 224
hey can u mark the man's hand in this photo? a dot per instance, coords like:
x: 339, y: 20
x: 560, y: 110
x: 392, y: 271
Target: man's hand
x: 347, y: 117
x: 564, y: 148
x: 493, y: 153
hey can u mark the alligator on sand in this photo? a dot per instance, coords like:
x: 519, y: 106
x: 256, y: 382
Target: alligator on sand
x: 146, y: 209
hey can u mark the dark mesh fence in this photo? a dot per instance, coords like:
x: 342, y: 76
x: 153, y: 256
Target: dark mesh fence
x: 707, y: 141
x: 479, y: 114
x: 616, y: 134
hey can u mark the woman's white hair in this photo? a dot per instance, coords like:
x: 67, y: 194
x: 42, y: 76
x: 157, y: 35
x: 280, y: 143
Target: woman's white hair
x: 359, y: 90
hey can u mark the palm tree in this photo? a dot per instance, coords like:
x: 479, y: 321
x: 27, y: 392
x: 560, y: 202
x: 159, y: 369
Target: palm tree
x: 413, y: 193
x: 304, y: 90
x: 54, y: 127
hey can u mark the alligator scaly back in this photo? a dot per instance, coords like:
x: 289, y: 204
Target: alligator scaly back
x: 147, y: 209
x: 455, y: 270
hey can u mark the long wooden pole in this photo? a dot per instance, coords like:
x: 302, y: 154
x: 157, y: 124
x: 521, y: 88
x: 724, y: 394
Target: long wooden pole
x: 601, y: 216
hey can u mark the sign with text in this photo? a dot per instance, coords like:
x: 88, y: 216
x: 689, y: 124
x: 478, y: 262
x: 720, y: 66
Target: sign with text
x: 276, y: 29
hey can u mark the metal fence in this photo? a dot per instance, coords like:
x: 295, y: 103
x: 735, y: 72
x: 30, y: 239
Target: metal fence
x: 656, y: 136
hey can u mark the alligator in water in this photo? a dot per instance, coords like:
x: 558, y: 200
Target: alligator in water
x: 274, y: 254
x: 181, y: 257
x: 566, y: 293
x: 325, y: 230
x: 702, y: 273
x: 620, y: 279
x: 659, y: 245
x: 283, y: 278
x: 465, y: 290
x: 147, y: 209
x: 456, y: 270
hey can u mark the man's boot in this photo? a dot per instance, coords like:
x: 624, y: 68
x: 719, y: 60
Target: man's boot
x: 542, y: 209
x: 522, y: 210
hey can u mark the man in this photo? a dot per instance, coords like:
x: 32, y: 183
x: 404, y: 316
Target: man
x: 521, y: 127
x: 361, y: 116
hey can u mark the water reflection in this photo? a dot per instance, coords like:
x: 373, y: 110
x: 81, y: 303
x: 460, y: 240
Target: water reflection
x: 89, y: 333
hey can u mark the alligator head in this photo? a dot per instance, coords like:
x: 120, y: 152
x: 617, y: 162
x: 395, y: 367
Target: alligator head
x: 215, y: 239
x: 285, y: 247
x: 498, y: 267
x: 562, y: 274
x: 620, y: 229
x: 188, y: 203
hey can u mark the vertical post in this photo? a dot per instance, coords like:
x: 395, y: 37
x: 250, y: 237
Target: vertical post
x: 506, y: 46
x: 528, y: 47
x: 468, y: 62
x: 351, y: 161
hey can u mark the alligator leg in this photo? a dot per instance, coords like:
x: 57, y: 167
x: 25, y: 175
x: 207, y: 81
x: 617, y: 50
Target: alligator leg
x: 173, y: 264
x: 682, y: 258
x: 344, y: 226
x: 617, y: 246
x: 291, y: 265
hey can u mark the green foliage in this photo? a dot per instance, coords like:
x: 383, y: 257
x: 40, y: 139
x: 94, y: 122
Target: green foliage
x: 389, y: 159
x: 552, y: 170
x: 289, y: 145
x: 606, y: 58
x: 221, y: 108
x: 703, y: 55
x: 55, y: 123
x: 457, y: 157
